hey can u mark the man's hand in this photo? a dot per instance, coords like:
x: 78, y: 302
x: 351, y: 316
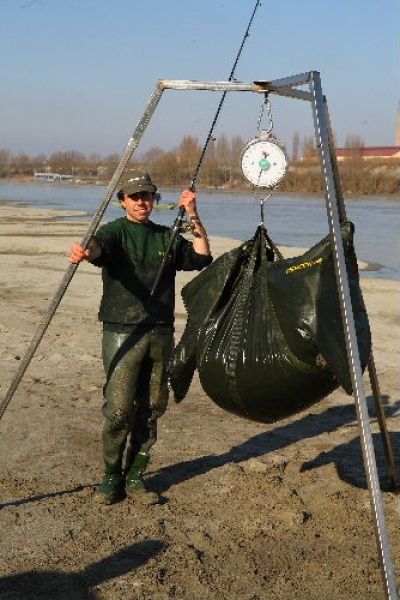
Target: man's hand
x: 188, y: 201
x: 200, y: 241
x: 78, y: 253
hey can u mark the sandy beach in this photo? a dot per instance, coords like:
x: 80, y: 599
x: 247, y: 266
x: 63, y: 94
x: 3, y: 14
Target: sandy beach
x: 247, y: 511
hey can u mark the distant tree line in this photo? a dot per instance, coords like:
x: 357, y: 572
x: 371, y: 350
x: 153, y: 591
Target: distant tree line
x: 220, y: 168
x: 70, y: 162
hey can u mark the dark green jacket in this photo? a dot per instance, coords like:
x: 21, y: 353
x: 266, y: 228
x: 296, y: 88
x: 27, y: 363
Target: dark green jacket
x: 130, y: 260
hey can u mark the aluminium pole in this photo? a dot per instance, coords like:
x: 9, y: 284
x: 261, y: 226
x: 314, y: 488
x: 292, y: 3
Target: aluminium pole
x: 387, y: 444
x: 335, y: 169
x: 66, y: 280
x: 322, y: 138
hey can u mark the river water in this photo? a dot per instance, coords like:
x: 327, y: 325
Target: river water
x: 291, y: 219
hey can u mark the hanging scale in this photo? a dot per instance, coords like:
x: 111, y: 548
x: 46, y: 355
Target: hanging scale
x: 264, y: 160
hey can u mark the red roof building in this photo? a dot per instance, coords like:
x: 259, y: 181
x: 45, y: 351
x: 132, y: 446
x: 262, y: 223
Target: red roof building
x: 368, y: 152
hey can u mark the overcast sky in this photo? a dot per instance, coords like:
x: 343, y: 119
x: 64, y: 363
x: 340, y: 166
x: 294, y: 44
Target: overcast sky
x: 77, y: 74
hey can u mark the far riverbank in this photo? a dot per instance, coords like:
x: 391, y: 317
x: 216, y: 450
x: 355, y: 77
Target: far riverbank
x: 370, y: 180
x: 296, y: 220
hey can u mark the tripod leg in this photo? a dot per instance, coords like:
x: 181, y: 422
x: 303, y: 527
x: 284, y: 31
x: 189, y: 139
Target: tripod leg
x: 387, y: 444
x: 333, y: 211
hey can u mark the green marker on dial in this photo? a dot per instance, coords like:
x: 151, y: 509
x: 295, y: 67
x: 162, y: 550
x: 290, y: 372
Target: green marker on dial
x: 264, y: 164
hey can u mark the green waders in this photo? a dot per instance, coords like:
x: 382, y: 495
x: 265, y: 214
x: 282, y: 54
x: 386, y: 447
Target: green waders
x: 136, y: 394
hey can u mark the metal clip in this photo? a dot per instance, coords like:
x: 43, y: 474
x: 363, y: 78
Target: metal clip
x: 266, y: 105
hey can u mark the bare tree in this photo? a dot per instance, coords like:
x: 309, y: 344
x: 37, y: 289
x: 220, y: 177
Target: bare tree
x: 223, y: 155
x: 189, y: 151
x: 308, y: 147
x: 21, y: 165
x: 354, y: 141
x: 67, y: 162
x: 237, y: 145
x: 168, y: 170
x: 296, y: 146
x: 152, y: 156
x: 5, y: 159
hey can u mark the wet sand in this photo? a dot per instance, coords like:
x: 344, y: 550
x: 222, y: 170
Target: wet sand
x: 248, y: 511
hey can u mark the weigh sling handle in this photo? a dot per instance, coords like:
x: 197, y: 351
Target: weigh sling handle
x: 178, y: 221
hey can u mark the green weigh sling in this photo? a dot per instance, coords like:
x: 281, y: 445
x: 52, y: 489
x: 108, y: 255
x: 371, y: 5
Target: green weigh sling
x: 266, y: 334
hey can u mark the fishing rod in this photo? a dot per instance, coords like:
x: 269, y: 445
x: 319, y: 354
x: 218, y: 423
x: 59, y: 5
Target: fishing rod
x: 176, y: 227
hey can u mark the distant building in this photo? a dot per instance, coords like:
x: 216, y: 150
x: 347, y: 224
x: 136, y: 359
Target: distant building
x: 369, y: 152
x: 398, y: 127
x: 52, y: 177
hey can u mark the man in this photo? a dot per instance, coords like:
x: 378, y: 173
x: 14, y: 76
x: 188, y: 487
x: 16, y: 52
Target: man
x: 137, y: 328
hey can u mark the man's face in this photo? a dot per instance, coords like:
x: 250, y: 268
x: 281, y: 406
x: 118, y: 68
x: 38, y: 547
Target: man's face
x: 138, y: 206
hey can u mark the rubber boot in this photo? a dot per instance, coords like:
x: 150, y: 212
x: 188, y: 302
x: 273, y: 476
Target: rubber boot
x: 111, y: 489
x: 135, y: 485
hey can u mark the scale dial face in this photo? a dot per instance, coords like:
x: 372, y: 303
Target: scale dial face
x: 264, y: 162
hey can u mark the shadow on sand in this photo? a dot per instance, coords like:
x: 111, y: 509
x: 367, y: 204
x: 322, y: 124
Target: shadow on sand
x: 349, y: 464
x: 56, y: 585
x: 306, y: 427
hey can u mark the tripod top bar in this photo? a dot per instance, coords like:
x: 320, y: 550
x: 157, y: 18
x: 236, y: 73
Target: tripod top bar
x: 282, y: 87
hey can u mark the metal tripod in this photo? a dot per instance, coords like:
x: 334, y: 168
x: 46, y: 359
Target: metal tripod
x: 336, y: 215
